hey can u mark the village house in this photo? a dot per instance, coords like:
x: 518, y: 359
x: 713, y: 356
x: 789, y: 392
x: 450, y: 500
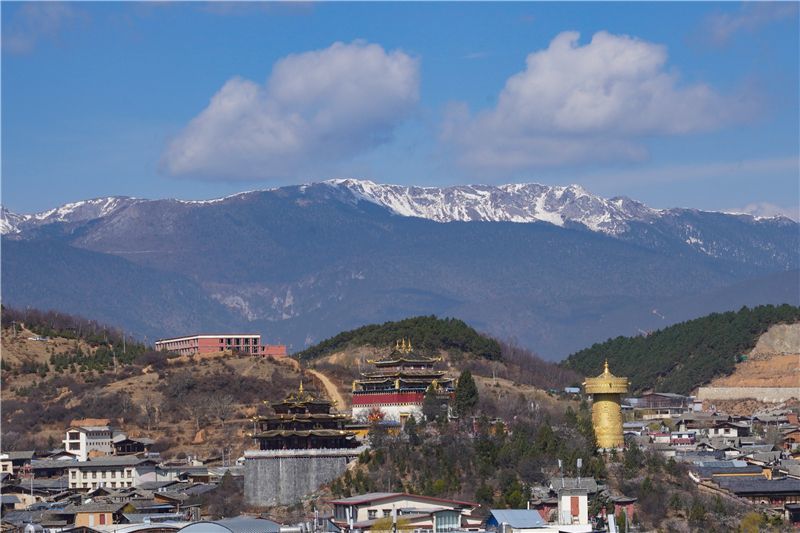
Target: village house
x: 124, y: 445
x: 11, y: 462
x: 96, y: 514
x: 660, y: 405
x: 791, y: 438
x: 90, y: 437
x: 422, y: 512
x: 728, y: 429
x: 682, y: 438
x: 112, y: 472
x: 773, y: 493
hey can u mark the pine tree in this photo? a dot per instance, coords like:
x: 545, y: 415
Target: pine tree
x: 432, y: 405
x: 466, y: 394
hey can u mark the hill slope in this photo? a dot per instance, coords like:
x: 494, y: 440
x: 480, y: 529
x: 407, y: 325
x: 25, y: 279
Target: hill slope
x: 344, y: 356
x: 427, y: 333
x: 56, y: 368
x: 684, y: 356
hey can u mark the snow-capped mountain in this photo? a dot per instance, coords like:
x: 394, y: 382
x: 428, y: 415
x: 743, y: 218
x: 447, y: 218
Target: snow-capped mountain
x: 519, y: 202
x: 306, y: 261
x: 83, y: 211
x: 523, y: 202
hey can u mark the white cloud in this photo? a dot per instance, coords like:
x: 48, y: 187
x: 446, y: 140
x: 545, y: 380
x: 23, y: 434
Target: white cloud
x: 34, y: 21
x: 751, y: 17
x: 766, y: 209
x: 578, y: 104
x: 742, y: 168
x: 315, y: 109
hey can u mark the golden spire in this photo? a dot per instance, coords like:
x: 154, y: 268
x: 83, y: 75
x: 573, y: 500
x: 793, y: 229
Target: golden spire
x: 605, y: 368
x: 409, y: 346
x: 301, y: 384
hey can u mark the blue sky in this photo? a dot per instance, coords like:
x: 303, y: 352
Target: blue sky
x: 674, y: 104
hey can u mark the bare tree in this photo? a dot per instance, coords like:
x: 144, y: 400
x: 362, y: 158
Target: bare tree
x: 221, y: 406
x: 196, y: 407
x: 150, y: 410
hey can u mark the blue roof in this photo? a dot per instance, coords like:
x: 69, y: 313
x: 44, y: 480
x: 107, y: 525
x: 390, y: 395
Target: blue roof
x: 240, y: 524
x: 517, y: 518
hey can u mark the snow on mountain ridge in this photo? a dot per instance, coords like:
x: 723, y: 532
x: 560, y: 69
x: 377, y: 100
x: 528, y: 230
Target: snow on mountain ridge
x: 518, y: 202
x: 84, y: 210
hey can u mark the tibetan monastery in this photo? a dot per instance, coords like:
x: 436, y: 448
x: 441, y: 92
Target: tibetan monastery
x: 398, y: 384
x: 303, y: 421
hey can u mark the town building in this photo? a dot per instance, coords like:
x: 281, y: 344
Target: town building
x: 95, y: 514
x: 659, y: 405
x: 396, y: 388
x: 124, y: 445
x: 90, y: 437
x: 11, y: 462
x: 111, y: 472
x: 209, y: 344
x: 515, y: 521
x: 375, y: 510
x: 607, y: 390
x: 302, y: 446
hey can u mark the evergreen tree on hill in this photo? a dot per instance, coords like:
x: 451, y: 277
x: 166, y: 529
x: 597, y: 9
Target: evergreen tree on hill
x: 466, y: 397
x: 684, y: 356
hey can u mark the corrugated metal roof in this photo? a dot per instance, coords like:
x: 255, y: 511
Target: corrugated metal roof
x: 235, y: 525
x: 518, y: 518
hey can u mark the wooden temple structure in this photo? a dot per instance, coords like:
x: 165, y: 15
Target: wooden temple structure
x: 303, y: 421
x: 397, y: 386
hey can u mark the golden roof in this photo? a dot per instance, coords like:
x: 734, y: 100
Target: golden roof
x: 606, y: 383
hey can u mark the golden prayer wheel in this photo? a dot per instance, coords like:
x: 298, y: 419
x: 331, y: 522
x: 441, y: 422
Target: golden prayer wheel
x: 607, y: 390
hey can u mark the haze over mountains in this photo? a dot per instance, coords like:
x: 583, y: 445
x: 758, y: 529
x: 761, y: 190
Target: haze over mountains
x: 555, y: 268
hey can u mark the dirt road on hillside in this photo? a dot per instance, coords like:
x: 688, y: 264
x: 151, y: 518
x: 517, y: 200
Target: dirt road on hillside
x: 331, y: 389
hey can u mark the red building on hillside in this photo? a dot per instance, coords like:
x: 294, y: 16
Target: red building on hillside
x: 223, y: 342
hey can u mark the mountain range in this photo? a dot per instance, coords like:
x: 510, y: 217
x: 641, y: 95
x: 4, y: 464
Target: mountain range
x: 553, y: 268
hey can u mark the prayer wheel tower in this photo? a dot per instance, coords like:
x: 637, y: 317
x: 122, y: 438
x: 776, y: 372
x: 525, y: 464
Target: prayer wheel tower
x: 607, y: 390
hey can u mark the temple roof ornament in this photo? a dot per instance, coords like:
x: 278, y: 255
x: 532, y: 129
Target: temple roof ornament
x: 606, y: 383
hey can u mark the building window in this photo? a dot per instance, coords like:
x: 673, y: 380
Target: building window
x: 387, y: 513
x: 371, y: 514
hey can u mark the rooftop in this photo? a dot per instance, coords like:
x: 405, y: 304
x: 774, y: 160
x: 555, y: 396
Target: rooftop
x: 517, y: 518
x: 124, y: 460
x: 371, y: 497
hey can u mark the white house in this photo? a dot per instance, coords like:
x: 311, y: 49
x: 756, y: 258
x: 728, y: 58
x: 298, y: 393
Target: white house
x: 91, y: 435
x: 111, y: 472
x: 423, y: 512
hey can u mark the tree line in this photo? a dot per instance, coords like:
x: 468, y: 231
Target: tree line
x: 428, y: 334
x: 681, y: 357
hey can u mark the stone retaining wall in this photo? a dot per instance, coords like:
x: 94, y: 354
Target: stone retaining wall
x: 762, y: 394
x: 283, y: 477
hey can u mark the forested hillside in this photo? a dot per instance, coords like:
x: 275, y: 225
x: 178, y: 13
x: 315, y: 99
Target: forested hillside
x: 466, y: 349
x: 428, y: 334
x: 686, y: 355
